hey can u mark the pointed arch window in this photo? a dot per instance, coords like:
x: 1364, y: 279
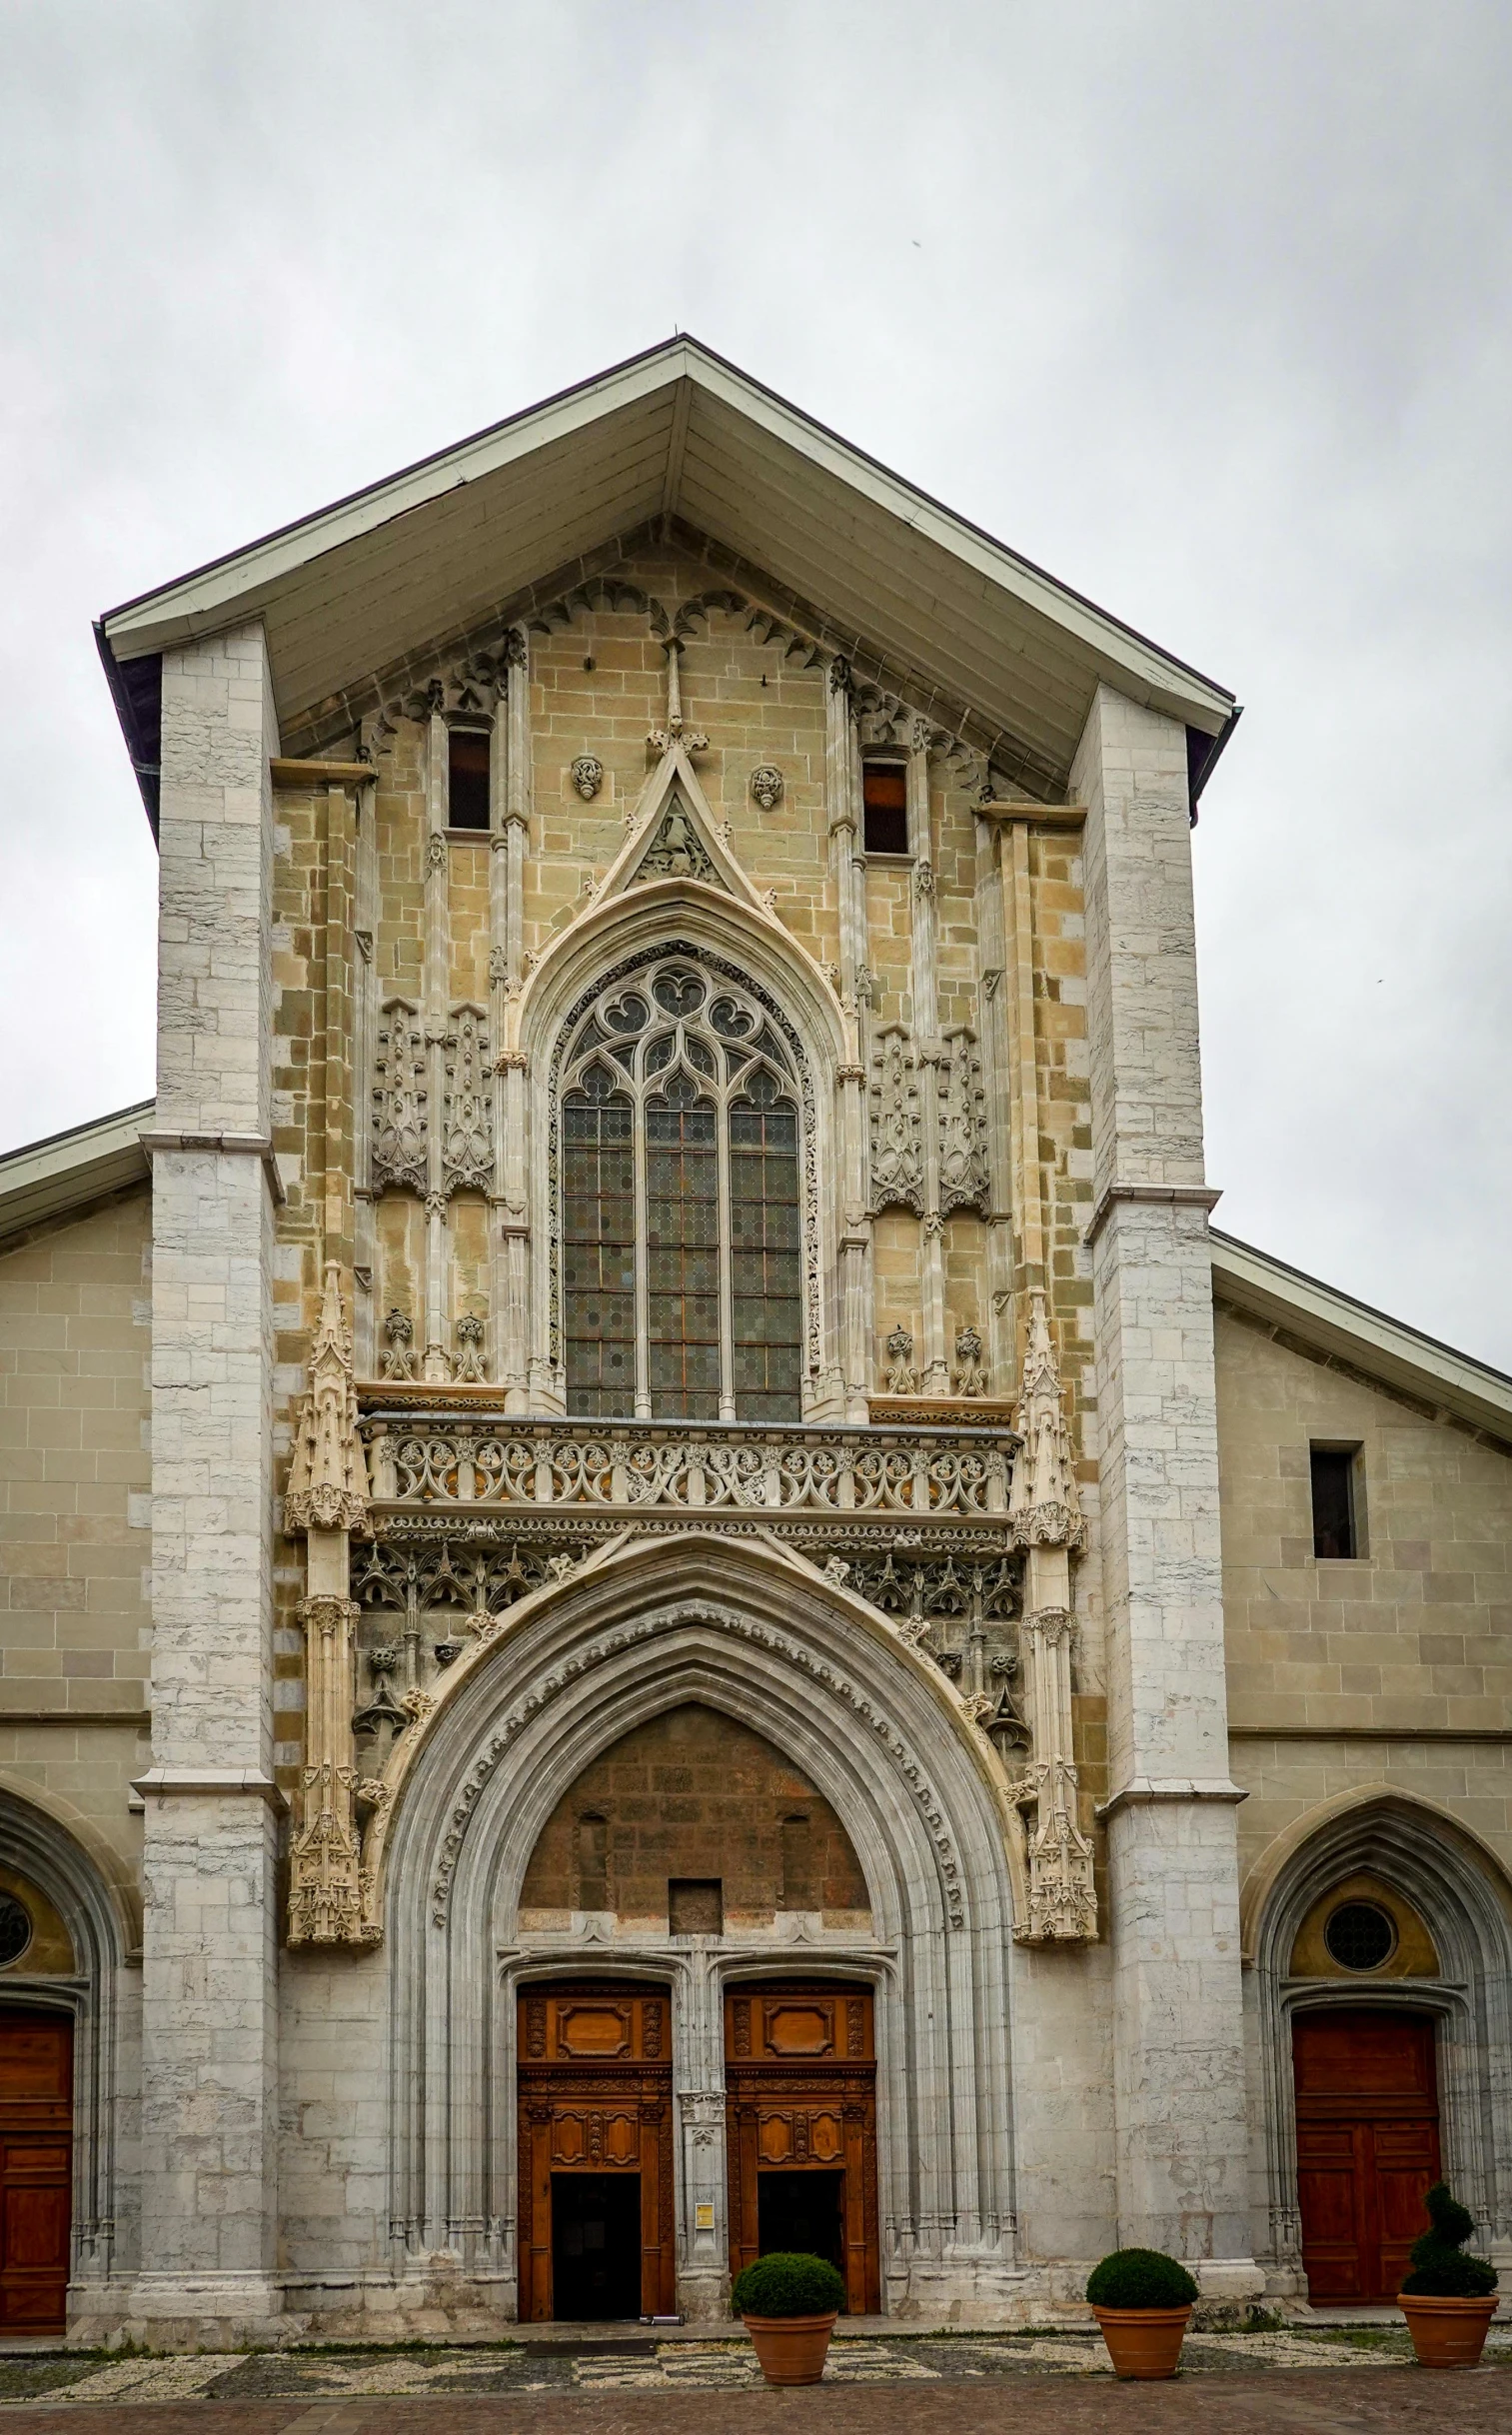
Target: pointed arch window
x: 681, y: 1220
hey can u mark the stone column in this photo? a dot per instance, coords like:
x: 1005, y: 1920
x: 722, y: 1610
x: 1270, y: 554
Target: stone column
x: 210, y: 1946
x: 1174, y: 1889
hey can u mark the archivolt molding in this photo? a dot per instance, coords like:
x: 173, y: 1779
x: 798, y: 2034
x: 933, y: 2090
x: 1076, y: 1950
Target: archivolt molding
x: 1460, y: 1890
x: 585, y: 1638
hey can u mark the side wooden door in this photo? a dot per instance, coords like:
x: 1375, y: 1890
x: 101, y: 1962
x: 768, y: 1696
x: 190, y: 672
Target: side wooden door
x: 595, y: 2094
x: 1367, y: 2147
x: 36, y: 2169
x: 801, y: 2102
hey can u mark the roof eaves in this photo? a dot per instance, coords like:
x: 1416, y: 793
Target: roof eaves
x: 44, y: 1180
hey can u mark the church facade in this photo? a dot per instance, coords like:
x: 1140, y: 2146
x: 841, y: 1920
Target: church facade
x: 667, y: 1595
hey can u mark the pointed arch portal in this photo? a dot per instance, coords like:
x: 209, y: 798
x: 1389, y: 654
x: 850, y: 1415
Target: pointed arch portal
x: 748, y: 1632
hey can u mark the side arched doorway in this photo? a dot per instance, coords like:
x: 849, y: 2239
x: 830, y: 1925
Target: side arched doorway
x: 1367, y: 2145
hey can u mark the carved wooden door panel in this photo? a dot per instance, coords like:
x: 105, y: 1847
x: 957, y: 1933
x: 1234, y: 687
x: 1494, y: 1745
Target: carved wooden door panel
x: 1367, y: 2147
x: 800, y: 2105
x: 594, y: 2089
x: 36, y: 2169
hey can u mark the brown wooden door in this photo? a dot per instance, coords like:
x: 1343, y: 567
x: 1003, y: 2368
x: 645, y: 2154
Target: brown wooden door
x: 595, y: 2088
x: 1367, y: 2147
x: 36, y: 2169
x: 801, y: 2112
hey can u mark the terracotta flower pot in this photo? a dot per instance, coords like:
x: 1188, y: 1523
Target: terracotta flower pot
x: 1447, y: 2333
x: 1144, y: 2341
x: 792, y: 2349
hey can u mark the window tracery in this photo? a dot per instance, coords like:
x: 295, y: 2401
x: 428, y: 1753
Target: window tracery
x: 685, y: 1197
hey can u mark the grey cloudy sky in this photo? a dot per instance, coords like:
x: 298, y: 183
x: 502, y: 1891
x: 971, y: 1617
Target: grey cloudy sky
x: 1205, y: 309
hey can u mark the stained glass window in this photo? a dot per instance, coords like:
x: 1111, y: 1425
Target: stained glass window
x: 679, y: 1193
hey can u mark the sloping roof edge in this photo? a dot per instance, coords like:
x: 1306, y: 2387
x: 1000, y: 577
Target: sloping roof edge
x: 1334, y: 1323
x: 208, y: 596
x: 46, y: 1179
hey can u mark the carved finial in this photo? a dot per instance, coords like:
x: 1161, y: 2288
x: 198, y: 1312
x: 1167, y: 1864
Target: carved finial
x: 970, y: 1373
x: 903, y: 1378
x: 469, y: 1369
x: 398, y: 1361
x: 327, y: 1480
x: 1044, y: 1506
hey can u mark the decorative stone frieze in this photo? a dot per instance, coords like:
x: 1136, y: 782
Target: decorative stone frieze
x: 328, y: 1478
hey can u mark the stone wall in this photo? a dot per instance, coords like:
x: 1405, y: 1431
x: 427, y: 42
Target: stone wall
x: 694, y: 1794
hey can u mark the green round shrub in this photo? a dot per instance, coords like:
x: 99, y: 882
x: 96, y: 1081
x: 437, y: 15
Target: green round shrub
x: 1440, y: 2268
x: 788, y: 2283
x: 1140, y: 2278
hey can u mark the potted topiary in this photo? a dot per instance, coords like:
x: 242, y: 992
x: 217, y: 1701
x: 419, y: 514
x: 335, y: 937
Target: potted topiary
x: 790, y: 2302
x: 1448, y: 2299
x: 1143, y: 2299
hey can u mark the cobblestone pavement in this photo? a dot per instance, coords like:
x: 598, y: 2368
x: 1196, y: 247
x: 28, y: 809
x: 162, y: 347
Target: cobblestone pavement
x: 1303, y: 2380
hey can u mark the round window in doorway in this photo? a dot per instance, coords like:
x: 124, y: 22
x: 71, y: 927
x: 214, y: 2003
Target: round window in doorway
x: 1360, y: 1935
x: 15, y: 1929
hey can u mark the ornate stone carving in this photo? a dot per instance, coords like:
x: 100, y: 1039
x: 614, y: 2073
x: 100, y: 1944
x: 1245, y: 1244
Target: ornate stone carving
x: 398, y: 1361
x: 328, y: 1478
x: 435, y: 851
x: 1045, y: 1506
x: 325, y: 1871
x: 676, y: 731
x: 467, y: 1106
x: 1062, y: 1900
x: 766, y: 786
x: 469, y: 1367
x: 964, y: 1181
x: 399, y: 1093
x: 677, y: 852
x: 898, y: 1161
x: 970, y: 1373
x: 587, y: 775
x: 903, y: 1378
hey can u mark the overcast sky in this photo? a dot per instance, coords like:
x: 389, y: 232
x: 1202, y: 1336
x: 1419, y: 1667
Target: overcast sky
x: 1205, y: 309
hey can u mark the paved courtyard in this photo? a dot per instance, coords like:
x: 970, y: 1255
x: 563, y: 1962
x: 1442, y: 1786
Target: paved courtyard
x: 1314, y: 2381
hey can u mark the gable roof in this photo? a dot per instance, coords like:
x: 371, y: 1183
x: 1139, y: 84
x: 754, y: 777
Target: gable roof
x: 1336, y: 1326
x: 48, y: 1179
x: 678, y: 433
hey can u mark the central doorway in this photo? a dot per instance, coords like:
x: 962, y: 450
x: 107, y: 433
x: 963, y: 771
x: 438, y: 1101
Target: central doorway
x: 801, y: 2112
x: 596, y: 2186
x: 1367, y: 2147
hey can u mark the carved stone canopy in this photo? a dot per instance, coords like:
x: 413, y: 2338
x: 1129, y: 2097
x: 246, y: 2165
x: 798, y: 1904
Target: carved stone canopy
x: 328, y: 1478
x: 1045, y: 1504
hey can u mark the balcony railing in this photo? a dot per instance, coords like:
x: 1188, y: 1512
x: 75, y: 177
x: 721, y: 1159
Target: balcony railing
x: 919, y: 1474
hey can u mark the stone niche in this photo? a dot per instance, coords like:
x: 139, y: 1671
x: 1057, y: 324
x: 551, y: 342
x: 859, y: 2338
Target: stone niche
x: 693, y: 1796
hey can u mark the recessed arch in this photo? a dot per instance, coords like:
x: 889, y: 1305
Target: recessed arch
x: 1460, y: 1892
x: 749, y: 1632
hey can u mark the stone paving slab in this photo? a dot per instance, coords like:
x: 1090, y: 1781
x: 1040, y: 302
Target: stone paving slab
x: 1279, y: 2401
x: 669, y: 2368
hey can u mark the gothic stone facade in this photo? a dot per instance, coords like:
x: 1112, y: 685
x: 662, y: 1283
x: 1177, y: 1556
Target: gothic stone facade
x: 701, y: 1440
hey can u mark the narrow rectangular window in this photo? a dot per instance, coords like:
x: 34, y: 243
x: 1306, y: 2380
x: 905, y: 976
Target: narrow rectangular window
x: 683, y: 1255
x: 695, y: 1906
x: 599, y: 1254
x: 468, y: 778
x: 1333, y: 1508
x: 884, y: 808
x: 765, y: 1256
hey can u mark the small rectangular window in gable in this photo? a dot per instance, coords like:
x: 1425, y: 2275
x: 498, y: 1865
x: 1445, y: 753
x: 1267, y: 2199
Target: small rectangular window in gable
x: 468, y: 778
x: 1335, y: 1530
x: 884, y: 801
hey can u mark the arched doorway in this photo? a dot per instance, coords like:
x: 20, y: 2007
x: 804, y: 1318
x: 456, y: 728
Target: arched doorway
x: 596, y: 2170
x: 1367, y: 2146
x: 36, y: 2168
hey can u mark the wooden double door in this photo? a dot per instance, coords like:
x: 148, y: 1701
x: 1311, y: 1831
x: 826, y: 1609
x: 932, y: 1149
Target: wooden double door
x: 800, y: 2100
x: 36, y: 2169
x: 596, y: 2170
x: 1367, y: 2147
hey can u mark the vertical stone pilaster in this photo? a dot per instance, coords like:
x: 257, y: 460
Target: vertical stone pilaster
x: 996, y: 1075
x: 365, y: 1041
x: 1177, y: 2034
x: 210, y: 1961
